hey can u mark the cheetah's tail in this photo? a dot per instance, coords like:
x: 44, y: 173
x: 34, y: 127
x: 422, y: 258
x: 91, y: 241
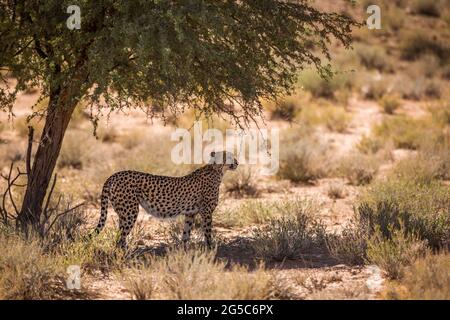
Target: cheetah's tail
x: 104, y: 207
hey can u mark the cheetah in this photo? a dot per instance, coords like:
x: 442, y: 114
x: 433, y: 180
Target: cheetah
x: 166, y: 197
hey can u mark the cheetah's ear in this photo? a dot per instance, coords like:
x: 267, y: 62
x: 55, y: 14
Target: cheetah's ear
x: 213, y: 154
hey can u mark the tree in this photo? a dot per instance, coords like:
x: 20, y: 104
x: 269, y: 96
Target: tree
x: 219, y: 57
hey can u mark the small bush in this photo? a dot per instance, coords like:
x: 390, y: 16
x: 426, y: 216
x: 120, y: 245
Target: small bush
x: 336, y: 119
x: 241, y: 183
x: 286, y: 110
x: 336, y: 191
x: 390, y: 103
x: 394, y: 18
x: 139, y: 282
x: 323, y: 88
x: 249, y: 212
x: 441, y: 113
x: 62, y: 228
x: 428, y: 65
x: 349, y: 246
x: 132, y: 139
x: 420, y: 210
x: 445, y: 72
x: 359, y: 169
x: 425, y: 167
x: 99, y: 253
x: 427, y: 7
x: 259, y: 212
x: 394, y: 216
x: 395, y: 253
x: 287, y: 237
x: 305, y: 160
x: 373, y: 57
x: 196, y: 275
x: 75, y: 151
x: 433, y: 89
x: 26, y: 272
x: 417, y: 44
x: 427, y: 279
x: 369, y: 145
x: 375, y: 89
x: 109, y: 135
x: 407, y: 133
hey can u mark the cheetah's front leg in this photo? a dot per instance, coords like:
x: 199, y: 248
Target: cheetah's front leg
x: 188, y: 222
x: 207, y: 227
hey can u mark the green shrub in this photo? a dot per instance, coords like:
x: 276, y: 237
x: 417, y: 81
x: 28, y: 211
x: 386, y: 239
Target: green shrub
x: 241, y: 183
x: 26, y: 272
x: 286, y: 109
x: 359, y: 169
x: 420, y: 210
x: 427, y: 7
x: 432, y: 163
x: 260, y: 212
x: 75, y: 150
x: 407, y: 133
x: 99, y: 253
x: 417, y: 44
x: 395, y: 253
x: 336, y: 191
x: 375, y: 89
x: 394, y: 217
x: 336, y: 119
x: 249, y: 212
x: 390, y: 103
x: 323, y: 88
x: 287, y: 237
x: 373, y: 57
x: 304, y: 160
x: 350, y: 245
x: 426, y: 279
x: 369, y: 144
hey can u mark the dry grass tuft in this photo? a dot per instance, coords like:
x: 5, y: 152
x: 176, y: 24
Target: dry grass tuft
x: 249, y: 212
x: 390, y: 103
x: 241, y: 183
x: 26, y: 272
x: 336, y: 191
x: 358, y: 168
x: 304, y: 160
x: 395, y: 253
x: 290, y: 235
x: 427, y: 279
x: 194, y: 275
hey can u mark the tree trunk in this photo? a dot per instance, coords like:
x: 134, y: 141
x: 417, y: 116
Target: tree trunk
x: 59, y: 112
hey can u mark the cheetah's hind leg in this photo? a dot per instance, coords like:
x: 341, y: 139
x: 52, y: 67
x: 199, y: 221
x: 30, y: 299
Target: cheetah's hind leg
x: 127, y: 219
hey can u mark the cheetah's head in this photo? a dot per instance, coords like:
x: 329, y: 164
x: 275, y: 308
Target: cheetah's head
x: 224, y: 158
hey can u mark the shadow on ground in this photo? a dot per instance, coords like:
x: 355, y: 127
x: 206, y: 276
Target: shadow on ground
x: 239, y: 251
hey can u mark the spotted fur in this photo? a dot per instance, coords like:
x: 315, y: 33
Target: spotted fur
x: 166, y: 197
